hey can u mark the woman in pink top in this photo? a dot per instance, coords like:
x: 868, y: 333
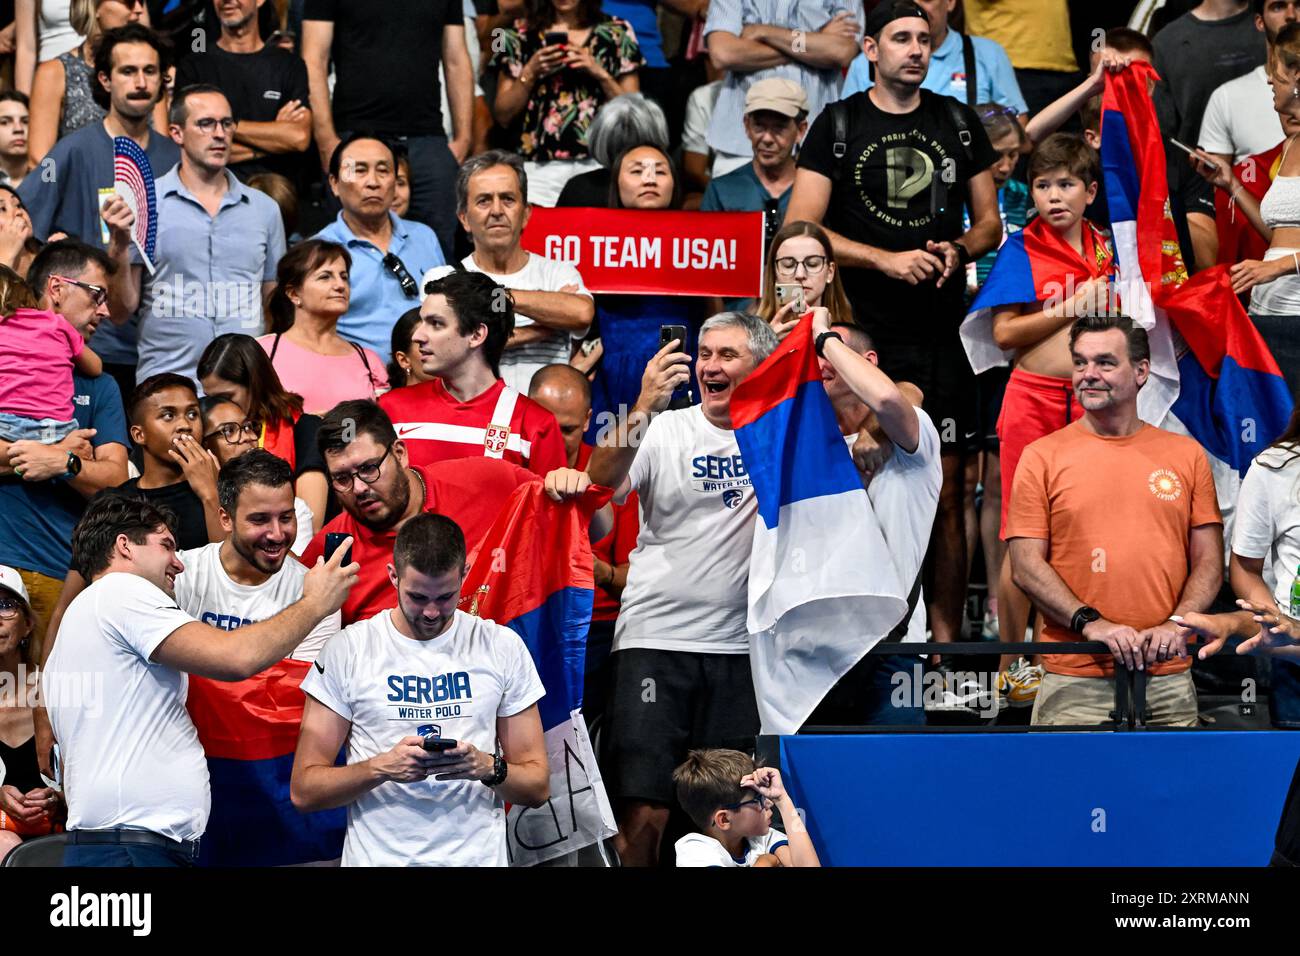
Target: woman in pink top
x: 309, y: 355
x: 38, y: 352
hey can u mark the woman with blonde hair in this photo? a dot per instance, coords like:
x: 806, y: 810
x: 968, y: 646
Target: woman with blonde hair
x: 801, y: 254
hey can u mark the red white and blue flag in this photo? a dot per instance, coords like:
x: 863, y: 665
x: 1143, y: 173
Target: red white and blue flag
x: 823, y: 588
x: 1033, y: 265
x: 1220, y: 379
x: 133, y: 181
x: 533, y: 573
x: 249, y: 730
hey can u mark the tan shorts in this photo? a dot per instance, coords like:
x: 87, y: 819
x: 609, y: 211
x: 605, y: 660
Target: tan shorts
x: 1063, y: 700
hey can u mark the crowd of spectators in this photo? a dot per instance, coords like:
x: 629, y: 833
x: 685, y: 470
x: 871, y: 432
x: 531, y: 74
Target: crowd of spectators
x: 341, y: 330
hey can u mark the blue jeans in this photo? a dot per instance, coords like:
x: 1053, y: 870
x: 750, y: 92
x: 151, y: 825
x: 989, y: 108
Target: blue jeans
x: 1284, y: 699
x: 119, y: 855
x: 47, y: 431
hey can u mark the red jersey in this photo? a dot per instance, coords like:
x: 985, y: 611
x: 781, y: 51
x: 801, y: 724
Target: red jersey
x: 436, y: 426
x: 615, y: 547
x: 468, y: 492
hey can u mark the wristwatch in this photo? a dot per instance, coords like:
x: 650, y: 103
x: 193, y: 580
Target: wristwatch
x: 963, y: 254
x: 1083, y: 617
x: 74, y: 466
x: 499, y: 770
x: 819, y: 343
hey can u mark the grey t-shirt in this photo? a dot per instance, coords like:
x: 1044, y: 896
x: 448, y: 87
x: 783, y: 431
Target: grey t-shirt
x: 64, y: 193
x: 1194, y: 57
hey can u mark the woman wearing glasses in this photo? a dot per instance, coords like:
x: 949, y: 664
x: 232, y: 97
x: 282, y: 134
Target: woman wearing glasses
x: 233, y: 366
x: 800, y: 255
x: 229, y: 433
x: 311, y: 294
x: 28, y: 808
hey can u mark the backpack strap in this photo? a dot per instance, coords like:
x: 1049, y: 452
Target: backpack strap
x: 968, y: 55
x: 900, y: 629
x: 361, y: 353
x: 963, y: 127
x: 275, y: 344
x: 839, y: 135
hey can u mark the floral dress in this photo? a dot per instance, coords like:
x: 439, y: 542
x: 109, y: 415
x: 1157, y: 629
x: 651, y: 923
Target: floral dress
x: 561, y: 106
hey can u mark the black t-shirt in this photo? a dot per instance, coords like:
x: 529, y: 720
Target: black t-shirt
x: 386, y: 58
x: 902, y: 183
x: 191, y: 527
x: 257, y: 85
x: 306, y: 454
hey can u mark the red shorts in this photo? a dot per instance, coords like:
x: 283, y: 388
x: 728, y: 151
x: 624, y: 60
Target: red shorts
x: 1034, y: 406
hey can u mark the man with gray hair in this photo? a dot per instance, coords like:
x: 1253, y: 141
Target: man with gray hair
x: 681, y: 645
x: 552, y: 306
x: 620, y: 124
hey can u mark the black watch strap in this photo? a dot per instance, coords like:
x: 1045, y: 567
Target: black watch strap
x: 1083, y: 617
x: 499, y: 771
x: 963, y: 254
x: 819, y: 343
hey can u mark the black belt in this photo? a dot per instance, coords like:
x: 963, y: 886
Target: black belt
x: 188, y: 848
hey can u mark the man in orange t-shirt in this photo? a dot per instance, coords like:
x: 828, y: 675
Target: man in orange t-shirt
x: 1114, y: 527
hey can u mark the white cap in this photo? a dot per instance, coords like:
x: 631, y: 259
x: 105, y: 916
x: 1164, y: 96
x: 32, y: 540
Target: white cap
x: 11, y: 580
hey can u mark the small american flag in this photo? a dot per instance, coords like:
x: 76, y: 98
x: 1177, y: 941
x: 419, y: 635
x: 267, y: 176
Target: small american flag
x: 133, y: 180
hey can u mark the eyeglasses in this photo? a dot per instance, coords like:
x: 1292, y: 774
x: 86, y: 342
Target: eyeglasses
x: 9, y: 609
x: 232, y: 431
x: 760, y: 803
x: 131, y: 3
x: 98, y: 294
x: 369, y: 473
x: 208, y: 124
x: 398, y: 268
x: 786, y: 265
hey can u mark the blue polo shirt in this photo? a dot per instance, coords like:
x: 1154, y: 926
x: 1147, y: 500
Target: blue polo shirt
x: 210, y: 272
x: 377, y: 298
x: 37, y: 517
x: 995, y: 76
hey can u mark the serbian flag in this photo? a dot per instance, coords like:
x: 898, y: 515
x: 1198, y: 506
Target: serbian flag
x: 133, y: 181
x: 249, y: 730
x: 533, y: 573
x: 1148, y: 259
x: 1033, y: 265
x: 1233, y: 398
x: 1238, y: 239
x: 823, y: 588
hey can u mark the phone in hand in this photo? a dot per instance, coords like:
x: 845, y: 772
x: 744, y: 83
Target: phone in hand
x: 439, y: 745
x: 555, y: 37
x: 791, y: 292
x: 682, y: 398
x: 333, y: 539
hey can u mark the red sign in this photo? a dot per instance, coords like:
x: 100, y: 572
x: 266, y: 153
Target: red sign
x: 644, y: 251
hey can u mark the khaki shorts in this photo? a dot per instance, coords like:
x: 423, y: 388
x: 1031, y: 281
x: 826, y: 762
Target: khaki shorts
x: 1063, y: 700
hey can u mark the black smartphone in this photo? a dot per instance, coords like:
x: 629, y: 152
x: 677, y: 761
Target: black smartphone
x: 682, y: 397
x: 332, y: 541
x: 439, y: 744
x: 555, y: 37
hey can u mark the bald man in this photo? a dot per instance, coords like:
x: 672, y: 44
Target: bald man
x: 565, y: 393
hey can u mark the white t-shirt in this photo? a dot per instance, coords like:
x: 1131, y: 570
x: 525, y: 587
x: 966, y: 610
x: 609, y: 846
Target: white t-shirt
x: 696, y: 849
x: 131, y: 755
x: 1239, y: 118
x: 205, y: 590
x: 905, y: 495
x: 687, y: 587
x: 538, y: 275
x: 699, y: 114
x: 1268, y: 518
x: 389, y: 686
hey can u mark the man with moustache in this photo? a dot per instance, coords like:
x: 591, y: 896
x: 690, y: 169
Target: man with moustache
x: 69, y: 187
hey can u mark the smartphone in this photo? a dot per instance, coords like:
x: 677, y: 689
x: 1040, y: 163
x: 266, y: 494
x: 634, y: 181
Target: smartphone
x: 439, y: 744
x: 1186, y: 149
x: 682, y: 398
x: 332, y: 541
x: 790, y: 292
x: 555, y: 37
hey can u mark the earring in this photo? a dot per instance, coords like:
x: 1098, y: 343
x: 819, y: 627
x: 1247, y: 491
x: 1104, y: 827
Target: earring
x: 22, y: 645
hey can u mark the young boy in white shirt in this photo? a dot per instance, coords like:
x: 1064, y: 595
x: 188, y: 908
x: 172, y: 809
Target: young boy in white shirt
x: 731, y: 802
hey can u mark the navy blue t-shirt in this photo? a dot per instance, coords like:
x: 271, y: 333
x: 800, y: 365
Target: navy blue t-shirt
x: 37, y: 518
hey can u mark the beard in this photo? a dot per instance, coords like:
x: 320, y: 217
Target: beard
x: 396, y: 508
x: 255, y: 557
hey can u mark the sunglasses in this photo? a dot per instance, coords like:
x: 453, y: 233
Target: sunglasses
x: 395, y: 265
x: 10, y: 609
x: 98, y: 294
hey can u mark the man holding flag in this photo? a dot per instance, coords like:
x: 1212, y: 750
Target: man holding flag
x: 392, y: 687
